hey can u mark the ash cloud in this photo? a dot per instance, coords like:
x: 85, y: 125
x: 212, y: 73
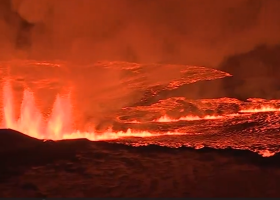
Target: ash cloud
x: 197, y: 32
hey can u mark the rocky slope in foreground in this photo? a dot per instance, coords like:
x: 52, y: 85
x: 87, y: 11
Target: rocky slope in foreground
x: 80, y: 168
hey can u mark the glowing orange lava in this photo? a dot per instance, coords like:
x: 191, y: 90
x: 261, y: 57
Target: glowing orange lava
x: 193, y: 118
x: 59, y: 125
x: 261, y: 109
x: 187, y: 118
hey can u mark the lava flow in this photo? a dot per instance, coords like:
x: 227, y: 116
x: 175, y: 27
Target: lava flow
x: 187, y: 118
x: 59, y: 125
x: 261, y: 109
x: 232, y: 123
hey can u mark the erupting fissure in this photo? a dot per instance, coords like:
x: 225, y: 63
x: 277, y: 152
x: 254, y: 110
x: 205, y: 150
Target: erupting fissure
x: 59, y: 125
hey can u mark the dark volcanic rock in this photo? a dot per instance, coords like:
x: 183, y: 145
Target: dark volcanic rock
x: 18, y: 152
x: 14, y: 140
x: 82, y: 168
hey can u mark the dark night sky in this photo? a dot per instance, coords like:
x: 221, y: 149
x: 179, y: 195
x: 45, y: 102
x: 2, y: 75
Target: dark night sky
x: 199, y: 32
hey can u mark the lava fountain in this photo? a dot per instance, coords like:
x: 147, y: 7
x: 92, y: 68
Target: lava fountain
x: 59, y: 125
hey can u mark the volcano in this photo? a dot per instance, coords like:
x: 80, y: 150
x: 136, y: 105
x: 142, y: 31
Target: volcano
x: 161, y: 137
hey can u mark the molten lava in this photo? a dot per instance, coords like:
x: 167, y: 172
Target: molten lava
x: 217, y: 123
x: 59, y: 125
x: 187, y: 118
x: 261, y: 109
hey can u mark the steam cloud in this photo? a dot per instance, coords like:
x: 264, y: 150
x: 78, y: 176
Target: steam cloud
x: 198, y: 32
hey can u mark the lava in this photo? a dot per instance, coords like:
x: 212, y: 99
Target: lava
x: 59, y: 125
x: 187, y: 118
x: 261, y: 109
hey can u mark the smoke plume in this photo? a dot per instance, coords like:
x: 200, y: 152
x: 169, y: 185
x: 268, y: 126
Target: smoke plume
x: 193, y: 32
x: 198, y: 32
